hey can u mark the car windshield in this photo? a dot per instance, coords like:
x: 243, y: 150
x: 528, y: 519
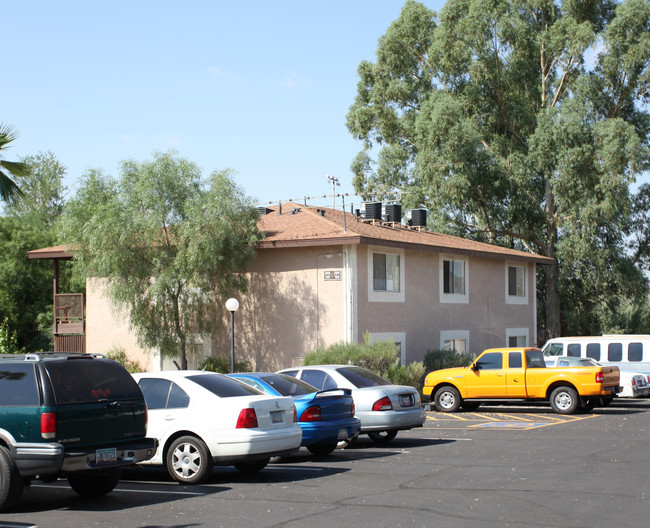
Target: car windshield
x: 91, y: 379
x: 288, y: 386
x: 223, y: 386
x: 360, y: 377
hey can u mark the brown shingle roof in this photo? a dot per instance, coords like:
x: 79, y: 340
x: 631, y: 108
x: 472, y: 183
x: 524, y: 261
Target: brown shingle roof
x: 311, y: 226
x: 301, y: 226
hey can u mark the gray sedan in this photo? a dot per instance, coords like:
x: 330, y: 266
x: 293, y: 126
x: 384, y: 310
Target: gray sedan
x: 382, y: 408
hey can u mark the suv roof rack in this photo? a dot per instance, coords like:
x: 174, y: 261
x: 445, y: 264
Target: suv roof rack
x: 38, y: 356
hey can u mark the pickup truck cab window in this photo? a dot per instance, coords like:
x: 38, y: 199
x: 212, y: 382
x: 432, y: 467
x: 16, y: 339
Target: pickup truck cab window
x: 490, y: 361
x: 514, y: 359
x: 535, y: 359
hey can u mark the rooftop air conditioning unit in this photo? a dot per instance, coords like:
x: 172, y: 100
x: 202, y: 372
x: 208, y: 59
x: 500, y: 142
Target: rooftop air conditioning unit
x: 392, y: 213
x: 416, y: 217
x: 371, y: 210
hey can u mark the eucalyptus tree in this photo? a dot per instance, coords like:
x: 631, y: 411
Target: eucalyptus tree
x: 518, y: 122
x: 170, y: 245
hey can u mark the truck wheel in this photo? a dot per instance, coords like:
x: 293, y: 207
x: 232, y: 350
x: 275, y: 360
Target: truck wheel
x: 447, y: 399
x: 94, y: 483
x: 11, y: 483
x: 565, y: 400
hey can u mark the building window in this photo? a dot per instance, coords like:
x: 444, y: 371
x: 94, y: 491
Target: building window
x: 454, y: 279
x: 398, y: 339
x: 517, y: 337
x: 456, y: 340
x: 516, y: 281
x: 385, y: 272
x: 516, y: 290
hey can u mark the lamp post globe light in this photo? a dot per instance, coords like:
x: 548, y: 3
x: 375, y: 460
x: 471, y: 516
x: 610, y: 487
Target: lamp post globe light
x: 232, y: 305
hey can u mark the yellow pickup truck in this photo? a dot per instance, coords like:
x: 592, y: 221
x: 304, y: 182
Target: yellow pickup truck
x: 520, y: 374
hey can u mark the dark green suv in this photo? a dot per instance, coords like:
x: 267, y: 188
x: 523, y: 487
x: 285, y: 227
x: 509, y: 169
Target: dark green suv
x: 78, y: 416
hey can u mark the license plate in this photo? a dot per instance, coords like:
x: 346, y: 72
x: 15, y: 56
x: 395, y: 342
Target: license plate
x: 276, y: 416
x: 343, y: 434
x: 106, y: 455
x: 405, y: 400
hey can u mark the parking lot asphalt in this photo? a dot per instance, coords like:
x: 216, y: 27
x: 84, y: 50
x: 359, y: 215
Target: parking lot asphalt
x: 499, y: 466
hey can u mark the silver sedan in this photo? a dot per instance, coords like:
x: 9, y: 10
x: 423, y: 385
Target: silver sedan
x: 383, y: 409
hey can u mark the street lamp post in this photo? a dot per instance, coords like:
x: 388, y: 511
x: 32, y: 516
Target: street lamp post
x: 232, y: 305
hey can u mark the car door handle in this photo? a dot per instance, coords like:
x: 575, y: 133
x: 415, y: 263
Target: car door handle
x: 170, y: 417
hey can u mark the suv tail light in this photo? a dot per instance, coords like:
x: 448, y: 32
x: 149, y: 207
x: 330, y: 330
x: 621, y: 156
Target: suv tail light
x: 633, y: 382
x: 354, y: 409
x: 247, y: 419
x: 48, y: 426
x: 599, y: 377
x: 382, y: 405
x: 311, y: 414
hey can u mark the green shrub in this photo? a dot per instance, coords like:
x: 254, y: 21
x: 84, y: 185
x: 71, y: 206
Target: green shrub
x: 118, y: 354
x: 380, y: 357
x: 222, y: 365
x: 8, y: 339
x: 441, y: 359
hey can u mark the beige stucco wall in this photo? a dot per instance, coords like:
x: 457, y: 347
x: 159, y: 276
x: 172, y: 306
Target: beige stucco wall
x: 299, y: 299
x: 421, y: 317
x: 108, y: 329
x: 290, y: 307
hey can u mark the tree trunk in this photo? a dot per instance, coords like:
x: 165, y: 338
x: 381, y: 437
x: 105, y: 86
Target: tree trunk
x: 183, y: 355
x: 552, y: 307
x: 553, y: 322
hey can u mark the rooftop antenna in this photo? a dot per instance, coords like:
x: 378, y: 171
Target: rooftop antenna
x: 335, y: 183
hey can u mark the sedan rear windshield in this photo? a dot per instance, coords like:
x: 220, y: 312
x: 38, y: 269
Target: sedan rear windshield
x: 289, y: 386
x: 361, y: 377
x: 223, y: 386
x: 82, y: 380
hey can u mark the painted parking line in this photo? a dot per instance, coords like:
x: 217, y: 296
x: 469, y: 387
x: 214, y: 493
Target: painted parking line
x: 498, y: 421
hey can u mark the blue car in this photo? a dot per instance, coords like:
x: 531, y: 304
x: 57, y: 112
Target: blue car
x: 326, y: 417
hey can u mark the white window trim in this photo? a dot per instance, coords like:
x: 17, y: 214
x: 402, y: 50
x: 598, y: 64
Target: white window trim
x: 515, y: 299
x: 397, y: 337
x: 516, y: 332
x: 455, y: 298
x: 382, y: 296
x: 446, y: 335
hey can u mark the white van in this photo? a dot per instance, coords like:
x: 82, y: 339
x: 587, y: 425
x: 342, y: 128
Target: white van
x: 629, y: 353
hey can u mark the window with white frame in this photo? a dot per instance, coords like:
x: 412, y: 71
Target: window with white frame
x: 398, y: 338
x: 457, y: 340
x: 385, y: 272
x: 385, y: 275
x: 516, y: 290
x: 454, y: 279
x: 517, y: 337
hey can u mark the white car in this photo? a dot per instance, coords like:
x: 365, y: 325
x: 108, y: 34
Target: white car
x: 204, y: 418
x: 383, y: 409
x: 633, y: 384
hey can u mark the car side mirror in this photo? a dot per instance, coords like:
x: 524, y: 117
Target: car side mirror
x: 474, y: 367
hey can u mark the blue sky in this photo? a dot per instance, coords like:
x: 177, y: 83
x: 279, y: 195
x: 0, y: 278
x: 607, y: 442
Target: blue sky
x: 260, y: 87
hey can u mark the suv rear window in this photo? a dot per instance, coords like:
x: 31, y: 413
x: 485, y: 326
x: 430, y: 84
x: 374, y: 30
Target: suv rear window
x: 89, y: 380
x: 18, y: 385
